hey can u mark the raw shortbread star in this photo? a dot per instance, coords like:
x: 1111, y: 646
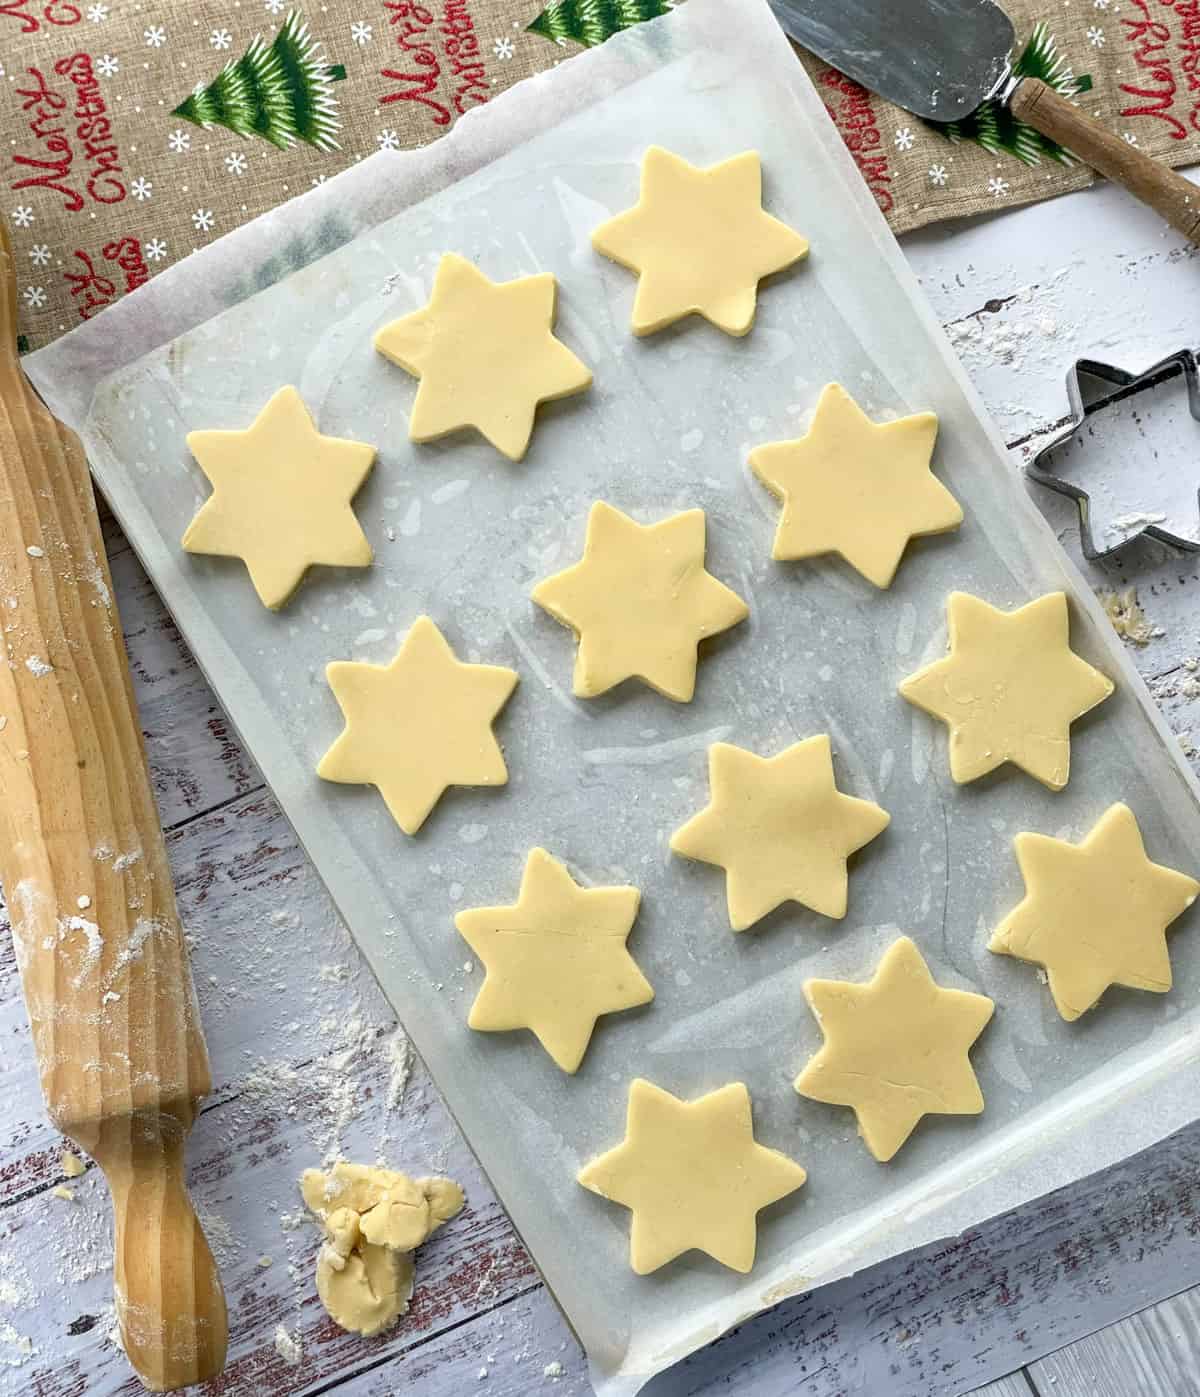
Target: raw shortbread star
x: 640, y: 602
x: 855, y: 487
x: 1009, y: 689
x: 373, y: 1220
x: 281, y: 497
x: 417, y: 725
x: 699, y: 242
x: 555, y: 960
x: 780, y: 829
x: 485, y: 354
x: 1095, y: 914
x: 693, y: 1176
x: 895, y: 1048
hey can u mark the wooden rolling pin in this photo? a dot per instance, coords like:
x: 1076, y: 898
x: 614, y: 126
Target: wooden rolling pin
x: 84, y: 870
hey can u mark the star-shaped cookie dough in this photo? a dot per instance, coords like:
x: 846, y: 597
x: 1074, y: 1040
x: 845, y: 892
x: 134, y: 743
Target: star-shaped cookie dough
x: 417, y: 725
x: 855, y: 487
x: 1009, y: 689
x: 699, y: 242
x: 780, y: 829
x: 1095, y: 914
x: 895, y: 1048
x: 281, y: 497
x: 640, y: 602
x: 693, y: 1176
x: 486, y: 355
x: 555, y: 960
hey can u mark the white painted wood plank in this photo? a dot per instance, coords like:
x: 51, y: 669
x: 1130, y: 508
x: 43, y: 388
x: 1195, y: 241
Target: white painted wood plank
x: 1015, y: 1385
x: 1154, y: 1354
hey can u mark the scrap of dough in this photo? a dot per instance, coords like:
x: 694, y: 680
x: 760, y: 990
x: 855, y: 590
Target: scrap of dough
x: 281, y: 498
x: 693, y: 1176
x: 72, y: 1166
x: 486, y: 356
x: 857, y: 488
x: 555, y: 960
x: 895, y: 1048
x: 640, y: 601
x: 780, y: 829
x: 1009, y: 689
x: 699, y: 241
x: 417, y: 725
x: 1094, y: 914
x: 373, y: 1220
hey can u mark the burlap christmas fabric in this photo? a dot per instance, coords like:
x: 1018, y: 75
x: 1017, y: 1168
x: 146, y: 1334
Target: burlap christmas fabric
x: 138, y: 130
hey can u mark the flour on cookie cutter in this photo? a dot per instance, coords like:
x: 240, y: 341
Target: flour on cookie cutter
x: 1093, y: 386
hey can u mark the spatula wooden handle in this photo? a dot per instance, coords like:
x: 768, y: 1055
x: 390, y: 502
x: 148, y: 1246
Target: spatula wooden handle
x: 1168, y: 193
x: 84, y: 869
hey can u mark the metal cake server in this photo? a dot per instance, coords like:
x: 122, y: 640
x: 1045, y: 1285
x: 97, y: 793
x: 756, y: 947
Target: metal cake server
x: 940, y: 59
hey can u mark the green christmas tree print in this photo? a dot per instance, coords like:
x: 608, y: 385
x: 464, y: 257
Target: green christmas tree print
x: 994, y: 127
x: 281, y: 91
x: 590, y: 22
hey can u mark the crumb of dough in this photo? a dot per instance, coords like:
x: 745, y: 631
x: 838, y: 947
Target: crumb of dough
x: 373, y: 1220
x: 63, y: 1192
x: 1127, y: 617
x: 71, y: 1165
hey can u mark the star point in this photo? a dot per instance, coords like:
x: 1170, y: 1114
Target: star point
x: 417, y: 725
x: 699, y: 242
x: 780, y: 828
x: 1095, y: 914
x: 693, y: 1175
x: 1009, y: 689
x: 556, y: 959
x: 485, y: 354
x: 896, y: 1048
x: 281, y: 497
x: 640, y: 601
x: 857, y: 488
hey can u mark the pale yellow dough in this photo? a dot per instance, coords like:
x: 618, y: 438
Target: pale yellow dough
x: 373, y: 1220
x: 486, y: 356
x: 1095, y: 914
x: 1009, y: 689
x: 699, y: 241
x: 895, y: 1048
x: 640, y: 602
x: 281, y: 497
x: 693, y: 1176
x: 555, y: 959
x: 417, y: 725
x: 857, y: 488
x: 780, y: 829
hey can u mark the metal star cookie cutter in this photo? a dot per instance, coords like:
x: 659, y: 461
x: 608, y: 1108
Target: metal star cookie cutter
x: 1091, y: 387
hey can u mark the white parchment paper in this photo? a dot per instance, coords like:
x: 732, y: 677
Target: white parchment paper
x: 463, y: 534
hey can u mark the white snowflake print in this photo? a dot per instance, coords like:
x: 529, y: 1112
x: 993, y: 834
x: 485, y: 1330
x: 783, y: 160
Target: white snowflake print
x: 221, y: 39
x: 35, y: 297
x: 388, y: 140
x: 904, y: 138
x: 108, y: 66
x: 141, y: 189
x: 22, y: 215
x: 1129, y: 138
x: 274, y: 7
x: 97, y: 13
x: 1095, y: 36
x: 360, y: 32
x: 938, y: 175
x: 179, y: 141
x: 39, y: 254
x: 236, y: 163
x: 997, y: 187
x: 503, y: 49
x: 155, y: 36
x: 202, y: 220
x: 155, y: 250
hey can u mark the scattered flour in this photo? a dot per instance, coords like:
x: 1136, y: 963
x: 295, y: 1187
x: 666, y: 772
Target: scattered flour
x: 15, y: 1349
x: 288, y: 1346
x: 38, y: 667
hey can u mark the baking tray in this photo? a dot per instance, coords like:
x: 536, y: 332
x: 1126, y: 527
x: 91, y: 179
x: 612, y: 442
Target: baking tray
x: 462, y: 534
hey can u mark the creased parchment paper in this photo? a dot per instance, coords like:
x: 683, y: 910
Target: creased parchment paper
x: 463, y: 534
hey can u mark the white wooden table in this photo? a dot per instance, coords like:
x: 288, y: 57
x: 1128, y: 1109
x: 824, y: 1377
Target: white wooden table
x: 306, y: 1059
